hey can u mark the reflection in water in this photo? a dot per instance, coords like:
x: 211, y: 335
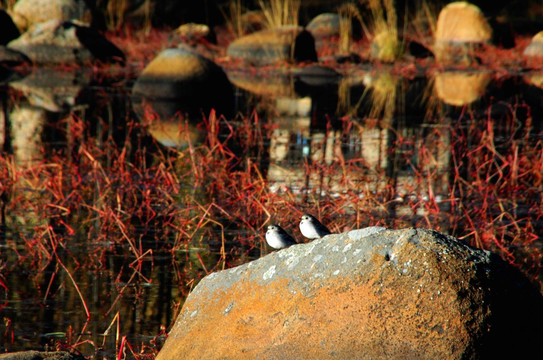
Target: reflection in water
x: 165, y: 123
x: 121, y: 208
x: 51, y: 89
x: 460, y: 88
x: 27, y: 124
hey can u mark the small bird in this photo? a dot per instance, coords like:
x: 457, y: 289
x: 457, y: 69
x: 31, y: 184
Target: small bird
x: 312, y: 228
x: 278, y: 238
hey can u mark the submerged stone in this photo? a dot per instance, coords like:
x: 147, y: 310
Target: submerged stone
x: 365, y: 294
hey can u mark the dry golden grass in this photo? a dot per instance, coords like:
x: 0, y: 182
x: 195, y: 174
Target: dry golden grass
x: 280, y: 12
x: 347, y: 12
x: 383, y: 29
x: 234, y: 17
x: 7, y: 4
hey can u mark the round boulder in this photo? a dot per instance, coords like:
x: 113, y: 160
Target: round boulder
x: 460, y: 26
x: 287, y: 43
x: 26, y: 13
x: 462, y: 22
x: 181, y: 81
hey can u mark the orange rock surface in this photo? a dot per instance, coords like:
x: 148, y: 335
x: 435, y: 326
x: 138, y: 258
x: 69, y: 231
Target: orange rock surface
x: 400, y: 294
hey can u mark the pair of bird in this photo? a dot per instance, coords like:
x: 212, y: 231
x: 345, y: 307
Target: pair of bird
x: 310, y: 227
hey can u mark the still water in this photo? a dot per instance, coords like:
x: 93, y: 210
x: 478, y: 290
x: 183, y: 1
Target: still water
x: 113, y: 207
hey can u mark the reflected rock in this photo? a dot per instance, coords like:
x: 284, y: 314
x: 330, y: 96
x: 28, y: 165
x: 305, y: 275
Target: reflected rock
x: 175, y: 91
x: 65, y: 42
x: 273, y: 84
x: 52, y: 89
x: 173, y: 131
x: 286, y: 43
x: 460, y: 88
x: 317, y: 75
x: 181, y: 81
x: 26, y: 13
x: 27, y: 123
x: 293, y: 107
x: 535, y: 79
x: 460, y: 26
x: 535, y: 49
x: 11, y: 58
x: 278, y: 83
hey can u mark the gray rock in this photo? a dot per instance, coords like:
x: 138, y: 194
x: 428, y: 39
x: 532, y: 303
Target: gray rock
x: 65, y: 42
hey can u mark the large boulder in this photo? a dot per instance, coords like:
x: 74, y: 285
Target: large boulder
x: 288, y: 43
x: 65, y: 42
x: 180, y: 85
x: 365, y: 294
x: 26, y: 13
x: 460, y: 26
x: 462, y: 22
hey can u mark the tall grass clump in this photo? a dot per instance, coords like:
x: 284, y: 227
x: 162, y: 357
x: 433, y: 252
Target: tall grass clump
x: 383, y: 30
x: 7, y: 4
x: 347, y: 12
x: 280, y: 12
x: 234, y: 17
